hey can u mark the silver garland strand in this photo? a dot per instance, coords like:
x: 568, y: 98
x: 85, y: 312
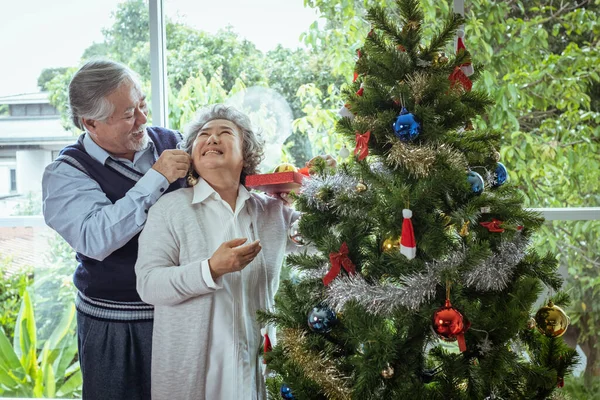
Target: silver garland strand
x: 494, y: 273
x: 339, y: 183
x: 411, y: 291
x: 379, y: 168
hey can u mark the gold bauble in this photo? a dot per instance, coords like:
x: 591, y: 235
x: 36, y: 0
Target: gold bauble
x: 361, y: 187
x: 286, y: 167
x: 551, y: 320
x: 390, y: 244
x: 440, y: 58
x: 388, y: 372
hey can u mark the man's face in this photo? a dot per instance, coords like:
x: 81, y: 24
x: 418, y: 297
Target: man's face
x: 218, y: 146
x: 123, y: 133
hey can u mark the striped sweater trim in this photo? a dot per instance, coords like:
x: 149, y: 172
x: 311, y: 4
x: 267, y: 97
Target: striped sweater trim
x: 114, y: 310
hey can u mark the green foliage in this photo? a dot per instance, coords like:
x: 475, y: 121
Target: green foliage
x: 52, y: 290
x: 58, y: 89
x: 4, y: 109
x: 31, y: 205
x: 576, y: 388
x: 51, y: 372
x: 47, y: 75
x: 12, y: 287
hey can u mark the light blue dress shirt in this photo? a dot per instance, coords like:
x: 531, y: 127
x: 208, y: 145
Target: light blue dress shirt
x: 76, y: 207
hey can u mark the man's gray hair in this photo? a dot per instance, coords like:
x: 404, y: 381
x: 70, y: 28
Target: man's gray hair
x: 252, y: 144
x: 90, y: 86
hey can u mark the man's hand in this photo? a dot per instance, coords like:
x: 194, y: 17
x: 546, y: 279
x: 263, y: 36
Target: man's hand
x: 231, y: 256
x: 173, y: 164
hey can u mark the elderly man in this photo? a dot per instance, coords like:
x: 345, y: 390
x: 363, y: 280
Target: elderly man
x: 96, y: 196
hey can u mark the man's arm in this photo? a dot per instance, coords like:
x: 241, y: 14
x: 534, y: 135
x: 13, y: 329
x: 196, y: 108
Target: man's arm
x: 76, y: 207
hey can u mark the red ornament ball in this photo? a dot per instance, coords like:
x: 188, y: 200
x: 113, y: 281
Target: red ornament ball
x: 448, y: 322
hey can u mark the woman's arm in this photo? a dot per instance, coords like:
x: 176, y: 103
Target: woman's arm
x: 160, y: 278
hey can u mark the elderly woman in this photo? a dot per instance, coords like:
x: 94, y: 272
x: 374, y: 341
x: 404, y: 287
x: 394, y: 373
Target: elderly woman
x: 209, y: 258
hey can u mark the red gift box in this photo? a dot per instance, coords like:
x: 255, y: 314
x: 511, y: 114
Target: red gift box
x: 277, y: 182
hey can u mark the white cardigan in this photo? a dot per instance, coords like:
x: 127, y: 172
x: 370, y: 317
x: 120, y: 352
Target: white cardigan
x: 169, y: 277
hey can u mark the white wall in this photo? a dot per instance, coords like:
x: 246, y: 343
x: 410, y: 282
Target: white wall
x: 30, y: 168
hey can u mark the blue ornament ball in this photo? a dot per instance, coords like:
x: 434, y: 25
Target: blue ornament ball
x: 286, y: 392
x: 406, y: 127
x: 321, y: 319
x: 501, y: 175
x: 476, y: 182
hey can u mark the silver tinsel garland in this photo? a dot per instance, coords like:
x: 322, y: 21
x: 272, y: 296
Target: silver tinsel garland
x: 494, y: 273
x: 339, y: 183
x: 411, y: 291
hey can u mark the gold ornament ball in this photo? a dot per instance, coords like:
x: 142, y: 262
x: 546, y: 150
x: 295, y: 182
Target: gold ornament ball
x: 286, y: 167
x: 361, y: 187
x: 388, y: 372
x: 551, y: 320
x: 443, y: 58
x: 390, y: 244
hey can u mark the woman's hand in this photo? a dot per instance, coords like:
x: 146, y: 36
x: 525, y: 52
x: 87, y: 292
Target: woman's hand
x: 231, y: 256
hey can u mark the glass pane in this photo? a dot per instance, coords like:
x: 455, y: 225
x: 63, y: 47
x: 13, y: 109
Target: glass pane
x: 43, y: 45
x: 250, y: 55
x: 577, y: 245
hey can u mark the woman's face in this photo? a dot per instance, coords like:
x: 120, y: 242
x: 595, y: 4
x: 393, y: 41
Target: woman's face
x: 218, y: 145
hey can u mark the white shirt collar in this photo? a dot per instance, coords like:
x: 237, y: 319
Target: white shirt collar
x: 202, y: 191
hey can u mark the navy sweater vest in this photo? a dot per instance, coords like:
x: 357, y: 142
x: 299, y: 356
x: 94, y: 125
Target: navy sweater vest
x: 114, y: 277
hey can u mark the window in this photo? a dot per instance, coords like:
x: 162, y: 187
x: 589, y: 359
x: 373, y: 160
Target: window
x: 13, y: 180
x: 213, y: 51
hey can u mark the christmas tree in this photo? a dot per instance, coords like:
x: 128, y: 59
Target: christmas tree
x: 419, y: 281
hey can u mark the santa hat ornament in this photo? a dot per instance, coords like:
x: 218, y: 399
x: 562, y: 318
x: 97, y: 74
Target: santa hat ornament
x: 361, y: 90
x: 408, y: 245
x: 467, y: 68
x: 345, y: 112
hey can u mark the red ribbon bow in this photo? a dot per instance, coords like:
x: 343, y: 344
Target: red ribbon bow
x: 493, y: 226
x: 459, y: 76
x: 362, y: 148
x: 339, y: 260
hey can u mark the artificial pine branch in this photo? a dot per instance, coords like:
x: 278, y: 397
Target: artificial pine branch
x: 445, y: 35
